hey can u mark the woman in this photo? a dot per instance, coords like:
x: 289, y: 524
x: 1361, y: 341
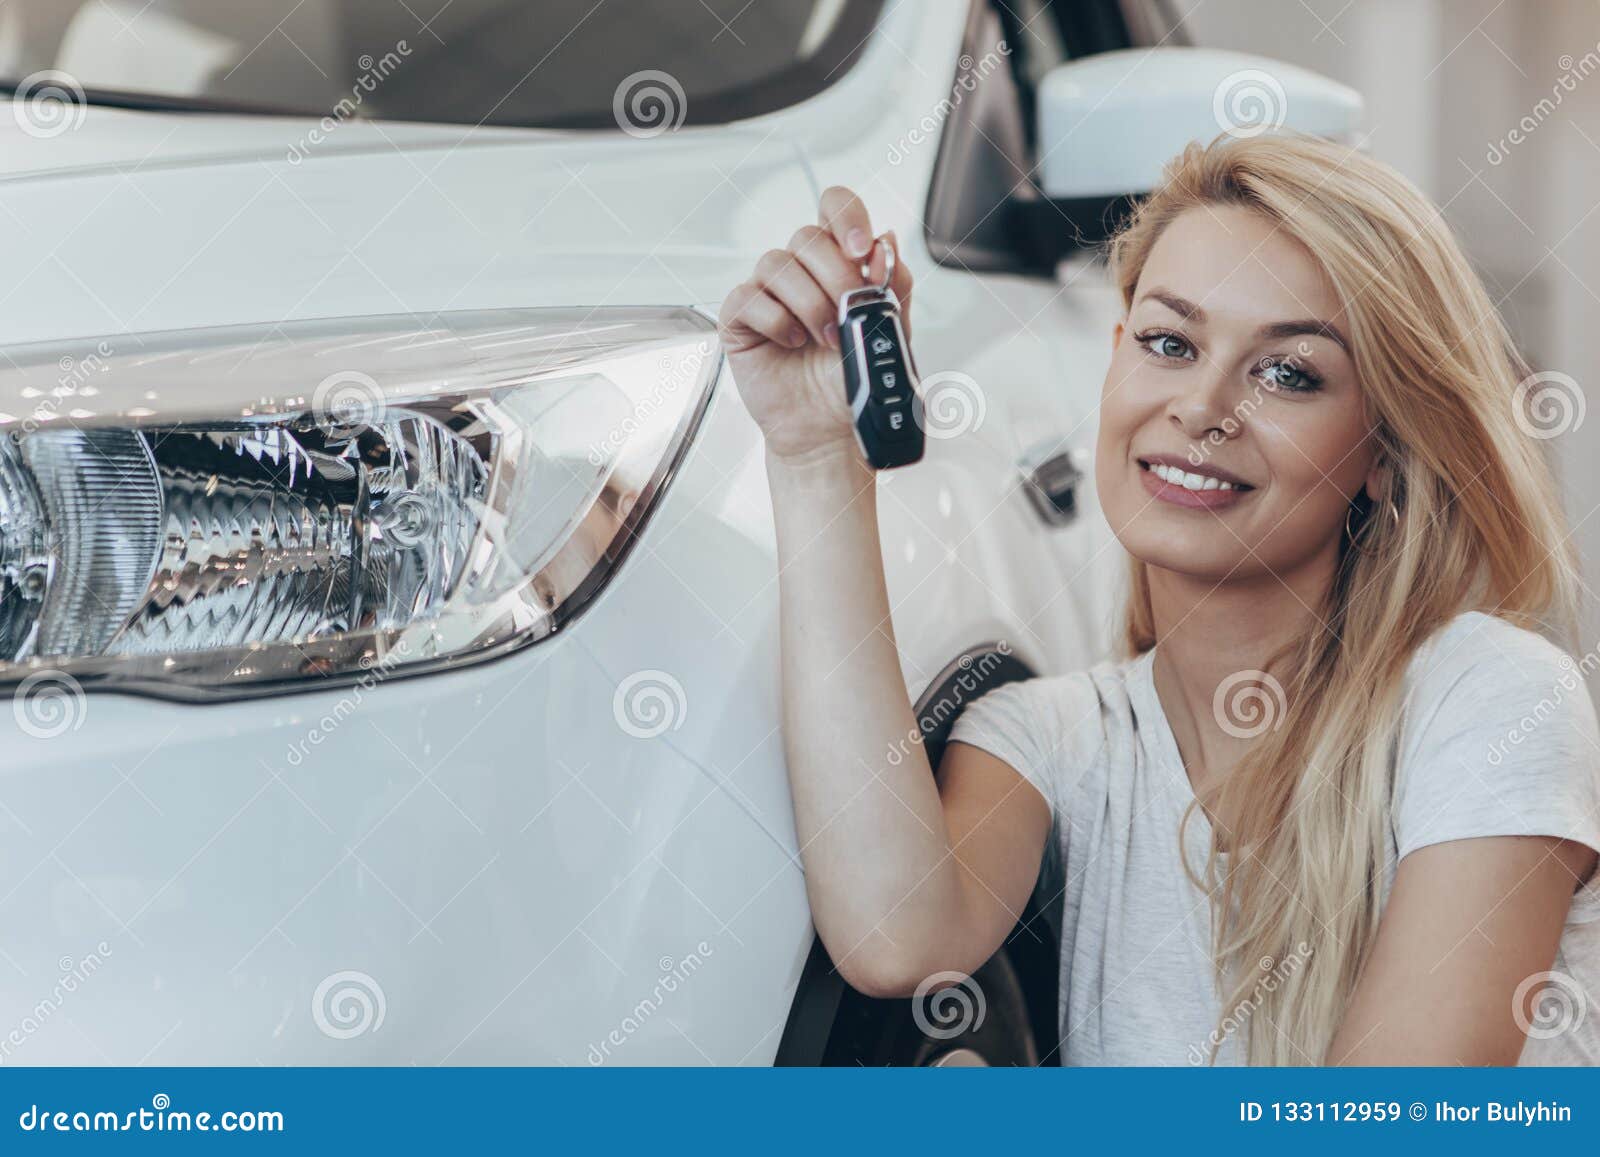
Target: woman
x: 1340, y: 803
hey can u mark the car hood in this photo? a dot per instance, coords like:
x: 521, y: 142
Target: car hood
x: 135, y: 221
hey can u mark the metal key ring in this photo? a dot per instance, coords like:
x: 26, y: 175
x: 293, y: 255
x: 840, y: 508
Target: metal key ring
x: 888, y: 264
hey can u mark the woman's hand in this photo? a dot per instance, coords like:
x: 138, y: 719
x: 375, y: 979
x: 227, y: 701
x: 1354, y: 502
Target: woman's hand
x: 780, y: 328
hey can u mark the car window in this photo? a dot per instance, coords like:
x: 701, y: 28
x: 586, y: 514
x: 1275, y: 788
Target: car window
x: 557, y: 63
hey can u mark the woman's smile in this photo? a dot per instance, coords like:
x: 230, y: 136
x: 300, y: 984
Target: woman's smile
x: 1176, y: 481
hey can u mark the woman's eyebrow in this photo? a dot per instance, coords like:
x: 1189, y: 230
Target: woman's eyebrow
x: 1181, y: 306
x: 1191, y: 311
x: 1305, y: 326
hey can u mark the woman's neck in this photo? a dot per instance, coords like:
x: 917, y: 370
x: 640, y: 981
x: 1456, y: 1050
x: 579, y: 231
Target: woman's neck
x: 1208, y: 634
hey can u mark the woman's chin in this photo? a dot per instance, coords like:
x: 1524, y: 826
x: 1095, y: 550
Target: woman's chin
x: 1212, y: 555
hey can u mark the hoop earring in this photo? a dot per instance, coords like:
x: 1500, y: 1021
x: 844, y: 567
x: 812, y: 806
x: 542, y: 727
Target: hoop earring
x: 1354, y: 535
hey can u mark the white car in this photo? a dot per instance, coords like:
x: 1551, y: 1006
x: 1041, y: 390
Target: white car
x: 387, y: 583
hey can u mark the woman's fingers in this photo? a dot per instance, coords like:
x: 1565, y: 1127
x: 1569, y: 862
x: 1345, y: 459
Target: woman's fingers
x: 899, y: 279
x: 842, y: 214
x: 782, y: 273
x: 876, y: 266
x: 817, y: 250
x: 900, y: 282
x: 793, y: 296
x: 750, y: 315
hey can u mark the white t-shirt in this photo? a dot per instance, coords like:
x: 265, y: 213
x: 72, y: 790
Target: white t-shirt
x: 1498, y: 738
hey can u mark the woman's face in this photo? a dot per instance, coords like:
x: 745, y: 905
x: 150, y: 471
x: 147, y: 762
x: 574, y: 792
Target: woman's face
x: 1232, y: 429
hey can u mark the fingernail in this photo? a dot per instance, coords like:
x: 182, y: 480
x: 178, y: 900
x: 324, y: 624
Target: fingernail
x: 858, y: 241
x: 832, y: 336
x: 797, y: 336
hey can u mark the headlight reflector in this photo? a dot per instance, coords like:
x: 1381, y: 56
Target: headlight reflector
x: 247, y: 510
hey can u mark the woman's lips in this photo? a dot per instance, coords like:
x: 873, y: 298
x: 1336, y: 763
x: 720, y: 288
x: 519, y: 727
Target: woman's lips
x: 1193, y: 499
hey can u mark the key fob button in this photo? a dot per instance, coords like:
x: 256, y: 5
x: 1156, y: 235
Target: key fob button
x: 894, y: 423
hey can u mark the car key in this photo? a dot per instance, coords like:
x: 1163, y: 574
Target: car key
x: 880, y: 378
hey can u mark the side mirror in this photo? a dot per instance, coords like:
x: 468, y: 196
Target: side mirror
x: 1108, y: 123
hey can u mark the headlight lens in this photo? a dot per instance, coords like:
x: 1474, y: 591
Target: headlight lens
x: 247, y: 510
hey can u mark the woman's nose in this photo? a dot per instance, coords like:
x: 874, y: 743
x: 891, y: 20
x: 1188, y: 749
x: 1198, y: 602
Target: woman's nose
x: 1205, y: 406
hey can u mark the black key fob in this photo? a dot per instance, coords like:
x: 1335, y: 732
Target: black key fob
x: 880, y: 379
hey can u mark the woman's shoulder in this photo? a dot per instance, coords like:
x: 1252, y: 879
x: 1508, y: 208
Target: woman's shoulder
x: 1488, y: 630
x: 1087, y: 701
x: 1498, y: 737
x: 1052, y: 728
x: 1477, y: 656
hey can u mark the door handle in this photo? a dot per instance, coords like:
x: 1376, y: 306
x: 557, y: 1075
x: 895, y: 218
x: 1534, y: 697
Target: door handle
x: 1051, y: 484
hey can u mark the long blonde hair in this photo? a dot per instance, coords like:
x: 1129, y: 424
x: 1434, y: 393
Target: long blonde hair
x: 1479, y: 527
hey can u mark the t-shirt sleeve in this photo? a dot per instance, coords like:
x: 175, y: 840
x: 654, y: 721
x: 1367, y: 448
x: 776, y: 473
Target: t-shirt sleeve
x: 1026, y: 724
x: 1500, y: 739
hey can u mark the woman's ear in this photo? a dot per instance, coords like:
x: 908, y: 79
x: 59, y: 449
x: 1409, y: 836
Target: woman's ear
x: 1378, y: 480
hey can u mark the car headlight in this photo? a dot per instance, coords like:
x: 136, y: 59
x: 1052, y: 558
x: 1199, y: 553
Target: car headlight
x: 246, y: 510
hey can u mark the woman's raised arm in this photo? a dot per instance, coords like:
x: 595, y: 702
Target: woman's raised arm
x: 905, y: 878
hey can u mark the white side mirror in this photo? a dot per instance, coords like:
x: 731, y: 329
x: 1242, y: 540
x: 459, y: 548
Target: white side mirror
x: 1107, y: 123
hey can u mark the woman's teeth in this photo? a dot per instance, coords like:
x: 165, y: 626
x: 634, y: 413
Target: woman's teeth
x: 1183, y: 478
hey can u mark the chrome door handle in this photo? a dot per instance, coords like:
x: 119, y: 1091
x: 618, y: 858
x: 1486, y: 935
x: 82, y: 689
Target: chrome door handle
x: 1052, y: 486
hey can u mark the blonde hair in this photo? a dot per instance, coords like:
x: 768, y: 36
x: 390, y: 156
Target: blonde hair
x: 1479, y: 528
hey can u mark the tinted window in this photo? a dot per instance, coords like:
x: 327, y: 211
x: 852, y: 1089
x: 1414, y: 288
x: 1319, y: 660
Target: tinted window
x: 558, y: 63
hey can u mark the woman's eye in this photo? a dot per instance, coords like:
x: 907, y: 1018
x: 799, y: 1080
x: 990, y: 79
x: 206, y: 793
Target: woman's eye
x: 1289, y: 377
x: 1166, y: 345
